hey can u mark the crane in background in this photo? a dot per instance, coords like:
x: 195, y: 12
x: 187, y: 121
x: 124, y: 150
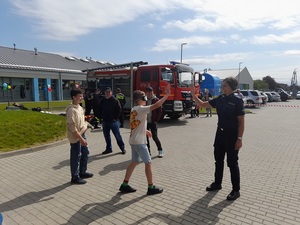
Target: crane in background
x: 294, y: 84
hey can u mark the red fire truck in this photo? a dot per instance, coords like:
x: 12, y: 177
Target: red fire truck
x: 139, y: 75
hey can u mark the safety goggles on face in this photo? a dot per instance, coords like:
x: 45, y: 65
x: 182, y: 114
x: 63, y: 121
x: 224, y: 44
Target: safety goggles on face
x: 145, y: 98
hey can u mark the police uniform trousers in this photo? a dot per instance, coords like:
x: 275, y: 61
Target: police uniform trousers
x: 225, y: 144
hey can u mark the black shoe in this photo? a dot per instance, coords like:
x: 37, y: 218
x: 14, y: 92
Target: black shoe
x: 155, y: 190
x: 214, y: 187
x: 126, y: 189
x: 86, y: 175
x: 233, y: 195
x: 78, y: 180
x: 106, y: 152
x: 123, y: 152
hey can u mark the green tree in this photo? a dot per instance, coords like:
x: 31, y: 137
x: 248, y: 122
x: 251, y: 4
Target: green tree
x: 271, y: 82
x: 260, y: 85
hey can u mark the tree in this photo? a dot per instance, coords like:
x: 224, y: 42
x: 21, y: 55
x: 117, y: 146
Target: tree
x: 271, y: 82
x: 260, y: 85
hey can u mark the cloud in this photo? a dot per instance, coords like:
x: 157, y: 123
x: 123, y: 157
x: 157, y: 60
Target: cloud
x: 68, y: 19
x: 292, y: 37
x: 216, y: 59
x: 168, y: 44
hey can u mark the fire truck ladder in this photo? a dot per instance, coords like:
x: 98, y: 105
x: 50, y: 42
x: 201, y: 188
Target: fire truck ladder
x: 294, y: 84
x: 119, y: 66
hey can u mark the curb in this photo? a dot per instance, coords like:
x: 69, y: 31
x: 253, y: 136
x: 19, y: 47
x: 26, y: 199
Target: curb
x: 32, y: 149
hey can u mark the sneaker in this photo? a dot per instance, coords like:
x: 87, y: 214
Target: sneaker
x: 155, y: 190
x: 86, y: 175
x: 123, y: 151
x: 160, y: 154
x: 233, y: 195
x: 78, y: 180
x: 126, y: 189
x: 214, y: 187
x: 107, y: 151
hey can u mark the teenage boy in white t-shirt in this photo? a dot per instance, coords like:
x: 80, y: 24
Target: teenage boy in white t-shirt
x: 138, y: 140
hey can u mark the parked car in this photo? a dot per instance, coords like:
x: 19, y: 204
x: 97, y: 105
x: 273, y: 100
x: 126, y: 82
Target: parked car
x: 270, y: 97
x: 276, y: 96
x: 298, y: 95
x: 252, y: 97
x: 265, y: 97
x: 284, y: 96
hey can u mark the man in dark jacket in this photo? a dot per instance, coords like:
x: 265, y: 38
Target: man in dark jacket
x: 110, y: 110
x: 152, y: 119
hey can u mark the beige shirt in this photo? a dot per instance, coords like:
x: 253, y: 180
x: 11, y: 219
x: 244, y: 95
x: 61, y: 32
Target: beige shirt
x: 75, y: 122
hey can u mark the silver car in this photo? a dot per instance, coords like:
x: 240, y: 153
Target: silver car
x: 276, y: 96
x: 252, y: 98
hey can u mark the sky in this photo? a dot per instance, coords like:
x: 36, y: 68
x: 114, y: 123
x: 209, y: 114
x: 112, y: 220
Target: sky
x: 263, y: 36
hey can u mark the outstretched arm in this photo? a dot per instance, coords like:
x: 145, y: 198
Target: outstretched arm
x: 197, y: 100
x: 162, y: 100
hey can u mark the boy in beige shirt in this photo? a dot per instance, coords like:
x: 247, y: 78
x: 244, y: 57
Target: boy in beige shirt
x: 76, y: 128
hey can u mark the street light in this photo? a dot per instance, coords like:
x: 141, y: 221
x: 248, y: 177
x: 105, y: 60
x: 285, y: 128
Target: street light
x: 182, y: 44
x: 239, y: 73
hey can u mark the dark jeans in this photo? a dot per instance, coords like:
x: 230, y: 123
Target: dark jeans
x: 153, y: 128
x: 114, y: 127
x: 78, y: 159
x: 224, y: 143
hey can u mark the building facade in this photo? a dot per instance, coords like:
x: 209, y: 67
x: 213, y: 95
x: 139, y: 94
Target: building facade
x: 38, y: 76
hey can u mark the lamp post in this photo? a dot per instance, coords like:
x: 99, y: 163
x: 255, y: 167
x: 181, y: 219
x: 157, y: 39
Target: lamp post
x: 239, y: 73
x: 181, y: 46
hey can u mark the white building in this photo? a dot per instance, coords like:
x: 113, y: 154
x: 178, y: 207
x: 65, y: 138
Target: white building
x: 244, y: 78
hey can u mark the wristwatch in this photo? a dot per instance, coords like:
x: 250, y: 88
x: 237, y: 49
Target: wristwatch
x: 240, y: 138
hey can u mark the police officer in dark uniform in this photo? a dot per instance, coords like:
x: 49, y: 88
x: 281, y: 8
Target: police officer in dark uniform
x: 228, y: 140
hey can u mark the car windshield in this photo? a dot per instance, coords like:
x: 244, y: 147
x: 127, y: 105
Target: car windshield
x: 185, y: 79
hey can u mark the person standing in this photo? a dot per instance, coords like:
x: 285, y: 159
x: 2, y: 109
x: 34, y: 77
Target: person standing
x: 229, y: 134
x: 121, y: 97
x: 207, y: 97
x: 138, y: 142
x: 153, y: 118
x: 76, y: 128
x: 97, y: 96
x: 110, y: 110
x: 88, y: 102
x: 239, y: 93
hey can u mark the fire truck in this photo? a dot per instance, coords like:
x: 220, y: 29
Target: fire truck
x: 139, y: 75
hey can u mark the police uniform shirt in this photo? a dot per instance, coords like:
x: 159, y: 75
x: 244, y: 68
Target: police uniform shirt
x: 228, y: 109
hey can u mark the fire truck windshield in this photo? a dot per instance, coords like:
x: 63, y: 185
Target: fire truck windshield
x: 185, y: 79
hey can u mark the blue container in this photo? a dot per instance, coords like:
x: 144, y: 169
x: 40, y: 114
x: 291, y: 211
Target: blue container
x: 212, y: 83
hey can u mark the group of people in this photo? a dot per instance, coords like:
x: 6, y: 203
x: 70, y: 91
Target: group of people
x: 228, y: 139
x: 206, y: 97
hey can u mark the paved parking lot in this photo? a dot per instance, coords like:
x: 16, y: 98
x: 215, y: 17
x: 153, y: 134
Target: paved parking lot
x: 35, y: 185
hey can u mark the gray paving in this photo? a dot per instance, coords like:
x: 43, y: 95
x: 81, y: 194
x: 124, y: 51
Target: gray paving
x: 35, y: 185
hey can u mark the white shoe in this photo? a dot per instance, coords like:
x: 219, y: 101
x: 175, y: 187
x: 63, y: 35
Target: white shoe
x: 160, y: 154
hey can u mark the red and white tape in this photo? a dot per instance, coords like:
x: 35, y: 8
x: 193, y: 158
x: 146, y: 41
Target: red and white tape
x: 272, y: 105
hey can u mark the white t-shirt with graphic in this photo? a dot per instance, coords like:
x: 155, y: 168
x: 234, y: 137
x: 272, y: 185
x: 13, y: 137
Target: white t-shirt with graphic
x: 138, y: 124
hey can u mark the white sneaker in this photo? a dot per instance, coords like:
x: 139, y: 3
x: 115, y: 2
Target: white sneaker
x: 160, y: 154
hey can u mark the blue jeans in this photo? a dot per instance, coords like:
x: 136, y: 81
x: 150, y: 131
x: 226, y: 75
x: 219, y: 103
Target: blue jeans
x: 114, y: 127
x: 78, y: 159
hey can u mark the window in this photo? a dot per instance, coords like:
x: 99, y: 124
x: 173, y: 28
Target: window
x: 146, y: 76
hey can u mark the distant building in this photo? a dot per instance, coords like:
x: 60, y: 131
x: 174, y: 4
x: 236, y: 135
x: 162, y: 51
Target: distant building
x: 244, y: 78
x: 39, y: 76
